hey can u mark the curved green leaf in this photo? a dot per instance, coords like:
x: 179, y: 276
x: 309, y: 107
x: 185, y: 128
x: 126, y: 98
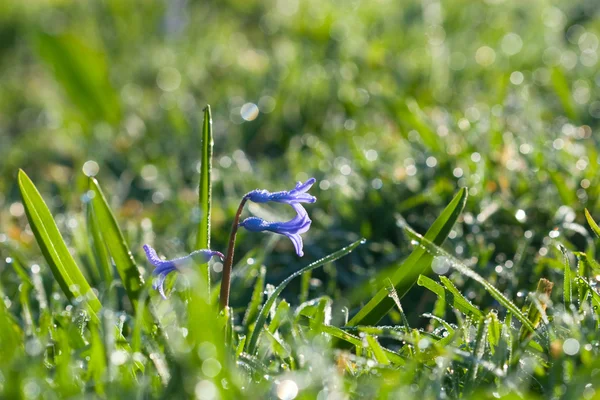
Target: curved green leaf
x: 55, y: 251
x: 115, y: 242
x: 418, y: 263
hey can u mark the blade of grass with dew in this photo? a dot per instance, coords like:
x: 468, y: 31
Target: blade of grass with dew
x: 116, y: 245
x: 407, y: 273
x: 322, y: 310
x: 494, y: 330
x: 595, y: 295
x: 567, y: 275
x: 459, y: 266
x: 277, y: 346
x: 458, y: 302
x: 392, y: 293
x: 205, y: 190
x: 592, y: 223
x: 55, y: 251
x: 377, y: 350
x: 262, y: 316
x: 478, y: 351
x: 391, y: 332
x: 449, y: 286
x: 281, y: 312
x: 535, y: 313
x: 341, y: 334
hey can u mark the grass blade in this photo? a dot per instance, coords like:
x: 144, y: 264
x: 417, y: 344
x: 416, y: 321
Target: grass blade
x: 377, y: 350
x: 99, y: 247
x: 115, y: 242
x: 419, y: 262
x: 450, y: 297
x: 55, y: 251
x: 478, y: 351
x: 262, y: 316
x: 592, y: 223
x: 568, y: 280
x: 205, y: 188
x: 534, y: 313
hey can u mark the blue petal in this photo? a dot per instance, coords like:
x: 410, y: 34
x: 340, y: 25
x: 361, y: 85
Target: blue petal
x: 303, y: 187
x: 297, y: 241
x: 153, y: 257
x: 160, y: 285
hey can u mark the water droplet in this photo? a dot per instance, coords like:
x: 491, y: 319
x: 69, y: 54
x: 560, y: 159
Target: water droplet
x: 571, y: 346
x: 211, y: 367
x: 249, y: 111
x: 206, y: 390
x: 90, y: 168
x: 287, y: 390
x: 118, y: 357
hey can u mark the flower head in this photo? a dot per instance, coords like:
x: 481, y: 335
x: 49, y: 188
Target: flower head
x: 294, y: 196
x: 165, y: 267
x: 292, y: 228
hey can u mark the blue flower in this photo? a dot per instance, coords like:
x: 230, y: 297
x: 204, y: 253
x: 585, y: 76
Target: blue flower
x: 294, y: 196
x: 292, y: 228
x: 165, y: 267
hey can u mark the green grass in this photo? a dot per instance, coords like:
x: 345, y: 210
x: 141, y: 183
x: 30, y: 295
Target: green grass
x: 458, y: 138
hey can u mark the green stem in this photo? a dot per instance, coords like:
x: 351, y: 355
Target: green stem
x: 227, y: 265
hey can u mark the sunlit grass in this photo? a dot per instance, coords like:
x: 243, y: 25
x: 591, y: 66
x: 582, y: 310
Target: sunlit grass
x: 394, y: 108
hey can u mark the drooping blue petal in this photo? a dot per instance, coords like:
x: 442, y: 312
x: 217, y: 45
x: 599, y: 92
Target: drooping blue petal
x: 160, y: 285
x: 294, y: 196
x: 165, y: 267
x: 297, y: 242
x: 292, y: 228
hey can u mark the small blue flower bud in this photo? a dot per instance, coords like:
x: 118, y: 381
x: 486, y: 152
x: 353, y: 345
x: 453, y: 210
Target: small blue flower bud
x: 294, y: 196
x: 165, y: 267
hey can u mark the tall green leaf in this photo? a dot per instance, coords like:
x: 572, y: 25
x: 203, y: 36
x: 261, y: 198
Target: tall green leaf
x: 264, y: 312
x: 418, y: 263
x: 205, y: 187
x: 55, y: 251
x: 116, y: 245
x: 205, y: 190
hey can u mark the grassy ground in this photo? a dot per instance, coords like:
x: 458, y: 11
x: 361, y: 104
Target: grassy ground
x: 458, y: 138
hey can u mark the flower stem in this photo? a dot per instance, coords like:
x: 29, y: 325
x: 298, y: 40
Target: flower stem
x: 227, y: 265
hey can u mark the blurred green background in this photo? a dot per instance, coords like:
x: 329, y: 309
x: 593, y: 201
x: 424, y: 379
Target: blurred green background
x: 392, y: 106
